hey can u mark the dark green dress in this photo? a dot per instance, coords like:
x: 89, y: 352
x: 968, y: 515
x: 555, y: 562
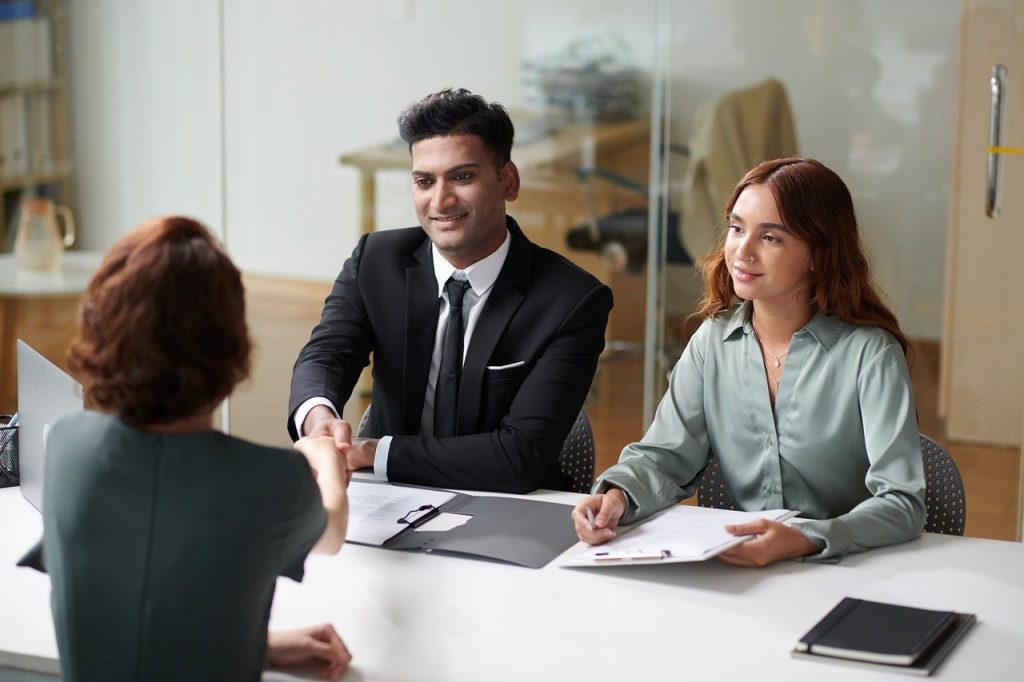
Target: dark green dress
x: 164, y: 549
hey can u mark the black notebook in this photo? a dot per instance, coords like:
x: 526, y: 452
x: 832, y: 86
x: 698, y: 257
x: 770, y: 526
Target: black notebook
x: 896, y: 637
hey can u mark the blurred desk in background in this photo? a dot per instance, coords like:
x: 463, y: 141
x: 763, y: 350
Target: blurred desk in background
x: 39, y: 307
x: 539, y: 151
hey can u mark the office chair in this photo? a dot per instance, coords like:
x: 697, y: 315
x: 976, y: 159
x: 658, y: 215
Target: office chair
x: 944, y: 497
x: 576, y: 460
x: 944, y: 491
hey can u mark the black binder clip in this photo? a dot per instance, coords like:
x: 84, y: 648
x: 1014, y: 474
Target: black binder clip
x: 417, y: 517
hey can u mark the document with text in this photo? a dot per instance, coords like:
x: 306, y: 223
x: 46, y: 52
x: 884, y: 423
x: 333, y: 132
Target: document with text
x: 376, y: 512
x: 682, y: 533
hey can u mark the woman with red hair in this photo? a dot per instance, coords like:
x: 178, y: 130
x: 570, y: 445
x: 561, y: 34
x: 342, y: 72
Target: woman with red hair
x: 164, y: 538
x: 796, y: 380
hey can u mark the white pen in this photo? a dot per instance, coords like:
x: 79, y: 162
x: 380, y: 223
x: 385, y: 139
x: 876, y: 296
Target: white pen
x: 590, y: 518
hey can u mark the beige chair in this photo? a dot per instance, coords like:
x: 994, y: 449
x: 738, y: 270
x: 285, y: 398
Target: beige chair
x: 944, y: 490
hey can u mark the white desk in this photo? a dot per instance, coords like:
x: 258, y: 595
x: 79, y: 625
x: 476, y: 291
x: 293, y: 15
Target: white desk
x: 410, y: 616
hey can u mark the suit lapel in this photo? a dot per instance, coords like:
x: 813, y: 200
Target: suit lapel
x: 421, y: 309
x: 505, y: 299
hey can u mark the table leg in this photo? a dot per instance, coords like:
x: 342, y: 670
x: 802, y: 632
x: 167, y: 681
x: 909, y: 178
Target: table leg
x: 367, y: 201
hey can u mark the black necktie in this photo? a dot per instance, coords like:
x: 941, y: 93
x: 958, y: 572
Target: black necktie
x: 446, y: 393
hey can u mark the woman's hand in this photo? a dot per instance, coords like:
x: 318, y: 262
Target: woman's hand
x: 321, y: 452
x: 607, y: 509
x: 774, y: 541
x: 330, y: 470
x: 307, y: 646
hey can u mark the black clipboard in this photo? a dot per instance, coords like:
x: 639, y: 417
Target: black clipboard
x: 514, y: 530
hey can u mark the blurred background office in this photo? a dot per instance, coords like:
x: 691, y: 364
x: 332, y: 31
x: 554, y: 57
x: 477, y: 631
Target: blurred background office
x: 274, y: 123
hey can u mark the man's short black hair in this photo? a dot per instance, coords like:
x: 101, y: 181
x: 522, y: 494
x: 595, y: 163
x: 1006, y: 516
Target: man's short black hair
x: 454, y: 112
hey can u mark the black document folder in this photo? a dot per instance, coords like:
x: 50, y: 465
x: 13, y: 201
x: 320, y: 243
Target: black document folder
x: 516, y: 530
x: 889, y: 636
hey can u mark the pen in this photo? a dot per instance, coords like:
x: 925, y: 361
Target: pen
x: 634, y: 555
x: 8, y: 433
x: 590, y: 518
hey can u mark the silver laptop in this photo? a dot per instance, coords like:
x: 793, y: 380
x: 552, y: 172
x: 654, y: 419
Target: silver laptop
x: 45, y: 393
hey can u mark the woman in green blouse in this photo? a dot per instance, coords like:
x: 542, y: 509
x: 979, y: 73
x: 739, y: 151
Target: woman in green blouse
x: 163, y: 537
x: 796, y: 380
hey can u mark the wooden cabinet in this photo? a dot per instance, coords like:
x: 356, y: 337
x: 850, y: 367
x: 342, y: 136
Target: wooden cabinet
x: 40, y: 308
x: 35, y: 146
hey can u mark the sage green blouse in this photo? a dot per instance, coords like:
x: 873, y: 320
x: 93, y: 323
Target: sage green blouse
x: 841, y: 447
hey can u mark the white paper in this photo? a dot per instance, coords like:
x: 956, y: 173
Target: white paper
x: 443, y: 522
x: 374, y: 509
x: 683, y: 533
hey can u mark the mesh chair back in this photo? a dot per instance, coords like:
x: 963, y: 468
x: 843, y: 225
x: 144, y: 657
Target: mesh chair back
x: 711, y: 491
x: 362, y: 421
x: 576, y: 460
x: 944, y: 490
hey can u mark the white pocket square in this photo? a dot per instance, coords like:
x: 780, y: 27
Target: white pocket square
x: 500, y: 367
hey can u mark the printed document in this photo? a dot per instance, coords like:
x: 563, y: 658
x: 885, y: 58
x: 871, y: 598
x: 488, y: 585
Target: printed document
x: 682, y: 533
x: 375, y: 510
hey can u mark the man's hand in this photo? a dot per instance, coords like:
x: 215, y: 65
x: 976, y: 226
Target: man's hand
x: 322, y: 454
x: 607, y: 509
x: 774, y: 542
x: 361, y: 453
x: 307, y: 646
x: 321, y: 422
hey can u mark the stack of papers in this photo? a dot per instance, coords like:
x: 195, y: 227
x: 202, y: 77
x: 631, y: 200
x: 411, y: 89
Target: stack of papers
x: 377, y: 513
x: 682, y: 533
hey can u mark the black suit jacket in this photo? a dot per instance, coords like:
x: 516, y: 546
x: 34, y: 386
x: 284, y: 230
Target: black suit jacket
x: 543, y: 311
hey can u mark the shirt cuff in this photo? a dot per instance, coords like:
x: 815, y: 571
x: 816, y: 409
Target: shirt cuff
x: 307, y: 407
x: 832, y: 535
x: 632, y: 507
x: 380, y: 458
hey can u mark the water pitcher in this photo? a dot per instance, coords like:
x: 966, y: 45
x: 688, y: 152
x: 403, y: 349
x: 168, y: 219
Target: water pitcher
x: 38, y: 242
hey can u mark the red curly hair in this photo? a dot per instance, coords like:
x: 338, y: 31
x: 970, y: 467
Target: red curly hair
x: 162, y: 333
x: 815, y: 205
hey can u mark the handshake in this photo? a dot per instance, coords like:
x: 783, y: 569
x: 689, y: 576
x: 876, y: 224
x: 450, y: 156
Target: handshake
x: 326, y: 438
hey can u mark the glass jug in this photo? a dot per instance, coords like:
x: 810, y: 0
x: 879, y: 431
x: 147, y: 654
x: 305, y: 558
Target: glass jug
x: 38, y: 242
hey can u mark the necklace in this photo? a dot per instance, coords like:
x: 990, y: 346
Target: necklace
x: 778, y: 358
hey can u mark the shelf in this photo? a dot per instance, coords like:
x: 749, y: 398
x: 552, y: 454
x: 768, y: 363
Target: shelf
x: 28, y: 87
x: 32, y: 179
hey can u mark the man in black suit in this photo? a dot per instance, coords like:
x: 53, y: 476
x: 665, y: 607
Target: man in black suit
x: 475, y: 385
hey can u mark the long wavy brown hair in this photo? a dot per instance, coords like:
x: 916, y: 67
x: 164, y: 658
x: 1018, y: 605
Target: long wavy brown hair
x: 162, y: 333
x: 815, y: 205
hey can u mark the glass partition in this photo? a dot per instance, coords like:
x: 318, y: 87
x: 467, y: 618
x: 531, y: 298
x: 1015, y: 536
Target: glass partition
x: 864, y: 87
x: 274, y: 123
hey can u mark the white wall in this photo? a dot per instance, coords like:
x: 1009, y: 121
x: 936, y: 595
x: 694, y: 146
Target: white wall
x: 309, y: 81
x: 306, y: 81
x: 145, y: 115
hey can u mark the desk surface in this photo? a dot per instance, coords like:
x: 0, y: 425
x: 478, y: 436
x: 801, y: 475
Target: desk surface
x: 413, y: 616
x: 77, y: 268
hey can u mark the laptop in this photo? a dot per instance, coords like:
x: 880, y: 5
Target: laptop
x: 45, y: 394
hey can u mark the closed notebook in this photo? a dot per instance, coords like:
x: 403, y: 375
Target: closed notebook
x: 873, y: 631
